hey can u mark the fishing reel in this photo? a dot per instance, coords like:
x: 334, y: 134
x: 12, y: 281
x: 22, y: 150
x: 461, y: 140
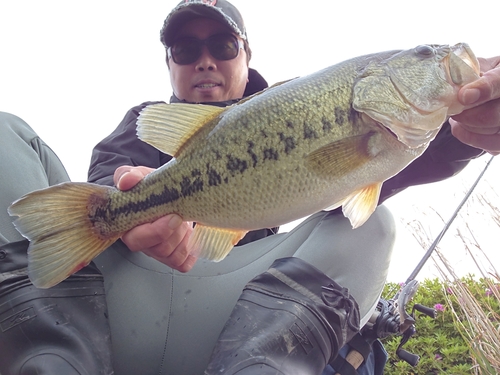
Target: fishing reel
x: 391, y: 318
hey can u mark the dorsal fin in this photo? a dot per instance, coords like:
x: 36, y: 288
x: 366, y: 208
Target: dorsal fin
x: 169, y: 126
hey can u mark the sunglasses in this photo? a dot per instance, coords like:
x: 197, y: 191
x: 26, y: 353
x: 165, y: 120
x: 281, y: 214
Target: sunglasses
x: 187, y: 50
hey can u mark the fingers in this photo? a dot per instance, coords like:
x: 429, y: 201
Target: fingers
x: 165, y: 240
x: 486, y: 88
x: 488, y: 142
x: 126, y: 177
x: 483, y: 119
x: 479, y: 125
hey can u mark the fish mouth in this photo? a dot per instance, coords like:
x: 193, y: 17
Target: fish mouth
x: 459, y: 59
x: 460, y: 67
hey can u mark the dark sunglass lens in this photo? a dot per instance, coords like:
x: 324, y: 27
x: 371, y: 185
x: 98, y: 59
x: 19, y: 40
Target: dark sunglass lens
x: 186, y: 51
x: 223, y: 47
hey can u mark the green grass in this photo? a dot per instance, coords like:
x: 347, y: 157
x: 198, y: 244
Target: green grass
x: 443, y: 344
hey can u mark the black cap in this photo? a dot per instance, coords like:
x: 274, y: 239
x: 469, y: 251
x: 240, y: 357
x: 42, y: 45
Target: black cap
x: 219, y: 10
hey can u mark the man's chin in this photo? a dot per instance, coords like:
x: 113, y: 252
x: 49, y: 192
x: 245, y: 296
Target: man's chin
x: 214, y: 94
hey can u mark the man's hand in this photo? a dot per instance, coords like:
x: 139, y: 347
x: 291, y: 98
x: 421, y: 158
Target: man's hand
x: 166, y: 238
x: 479, y: 125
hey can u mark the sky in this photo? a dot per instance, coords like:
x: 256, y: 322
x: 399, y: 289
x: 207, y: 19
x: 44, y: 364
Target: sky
x: 72, y: 69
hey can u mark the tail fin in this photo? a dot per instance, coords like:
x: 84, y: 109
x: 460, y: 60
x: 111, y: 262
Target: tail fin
x: 62, y: 237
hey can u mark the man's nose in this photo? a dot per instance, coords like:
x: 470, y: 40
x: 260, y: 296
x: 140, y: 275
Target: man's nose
x: 206, y: 61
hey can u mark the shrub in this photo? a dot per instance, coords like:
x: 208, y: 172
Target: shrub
x: 443, y: 349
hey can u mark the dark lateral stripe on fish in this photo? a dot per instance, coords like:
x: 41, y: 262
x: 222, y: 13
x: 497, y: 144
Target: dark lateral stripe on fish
x: 252, y: 154
x: 310, y: 132
x: 214, y: 178
x: 271, y: 154
x: 289, y: 143
x: 235, y: 164
x: 189, y: 186
x: 153, y: 200
x: 340, y: 116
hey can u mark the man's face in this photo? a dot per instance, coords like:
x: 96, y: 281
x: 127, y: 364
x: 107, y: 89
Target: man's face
x: 208, y: 79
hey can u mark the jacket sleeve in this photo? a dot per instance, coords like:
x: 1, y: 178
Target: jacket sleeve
x: 445, y: 157
x: 123, y: 147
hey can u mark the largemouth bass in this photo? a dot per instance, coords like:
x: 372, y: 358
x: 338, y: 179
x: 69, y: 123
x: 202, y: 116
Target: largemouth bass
x: 320, y: 141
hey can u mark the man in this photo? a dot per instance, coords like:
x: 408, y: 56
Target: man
x: 164, y: 321
x: 196, y: 304
x: 208, y: 54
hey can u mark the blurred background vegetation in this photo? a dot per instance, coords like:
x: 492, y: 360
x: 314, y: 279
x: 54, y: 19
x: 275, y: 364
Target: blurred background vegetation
x: 465, y: 336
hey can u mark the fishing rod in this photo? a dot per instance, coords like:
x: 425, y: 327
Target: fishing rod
x: 390, y: 317
x: 396, y: 307
x: 438, y: 239
x: 409, y: 289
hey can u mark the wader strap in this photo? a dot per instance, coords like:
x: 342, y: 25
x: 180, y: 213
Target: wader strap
x: 359, y: 351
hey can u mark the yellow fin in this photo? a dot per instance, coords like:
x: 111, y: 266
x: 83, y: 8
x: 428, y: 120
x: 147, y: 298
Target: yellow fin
x: 359, y: 205
x: 56, y: 222
x: 341, y: 157
x: 169, y: 126
x: 214, y: 243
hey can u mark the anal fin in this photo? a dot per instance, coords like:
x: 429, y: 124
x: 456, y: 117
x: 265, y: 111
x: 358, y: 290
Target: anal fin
x: 359, y: 205
x: 214, y: 243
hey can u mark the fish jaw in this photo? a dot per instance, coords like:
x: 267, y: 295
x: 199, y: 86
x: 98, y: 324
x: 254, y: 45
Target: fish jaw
x: 420, y: 90
x: 462, y: 68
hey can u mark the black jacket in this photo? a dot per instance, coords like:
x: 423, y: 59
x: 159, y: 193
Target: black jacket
x: 445, y: 157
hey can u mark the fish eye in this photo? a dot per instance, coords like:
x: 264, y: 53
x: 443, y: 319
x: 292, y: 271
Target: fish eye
x: 425, y: 50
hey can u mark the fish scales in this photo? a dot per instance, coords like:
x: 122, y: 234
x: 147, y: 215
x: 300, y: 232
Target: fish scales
x: 328, y: 139
x: 229, y: 172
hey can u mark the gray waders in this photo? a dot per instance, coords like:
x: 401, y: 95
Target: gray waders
x: 58, y: 331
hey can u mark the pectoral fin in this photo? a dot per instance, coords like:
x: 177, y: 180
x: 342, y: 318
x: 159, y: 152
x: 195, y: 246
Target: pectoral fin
x: 214, y: 243
x: 341, y: 157
x: 169, y: 126
x: 359, y: 206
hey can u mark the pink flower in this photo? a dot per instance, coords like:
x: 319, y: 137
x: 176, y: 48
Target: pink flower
x: 438, y: 357
x: 438, y: 307
x: 488, y: 292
